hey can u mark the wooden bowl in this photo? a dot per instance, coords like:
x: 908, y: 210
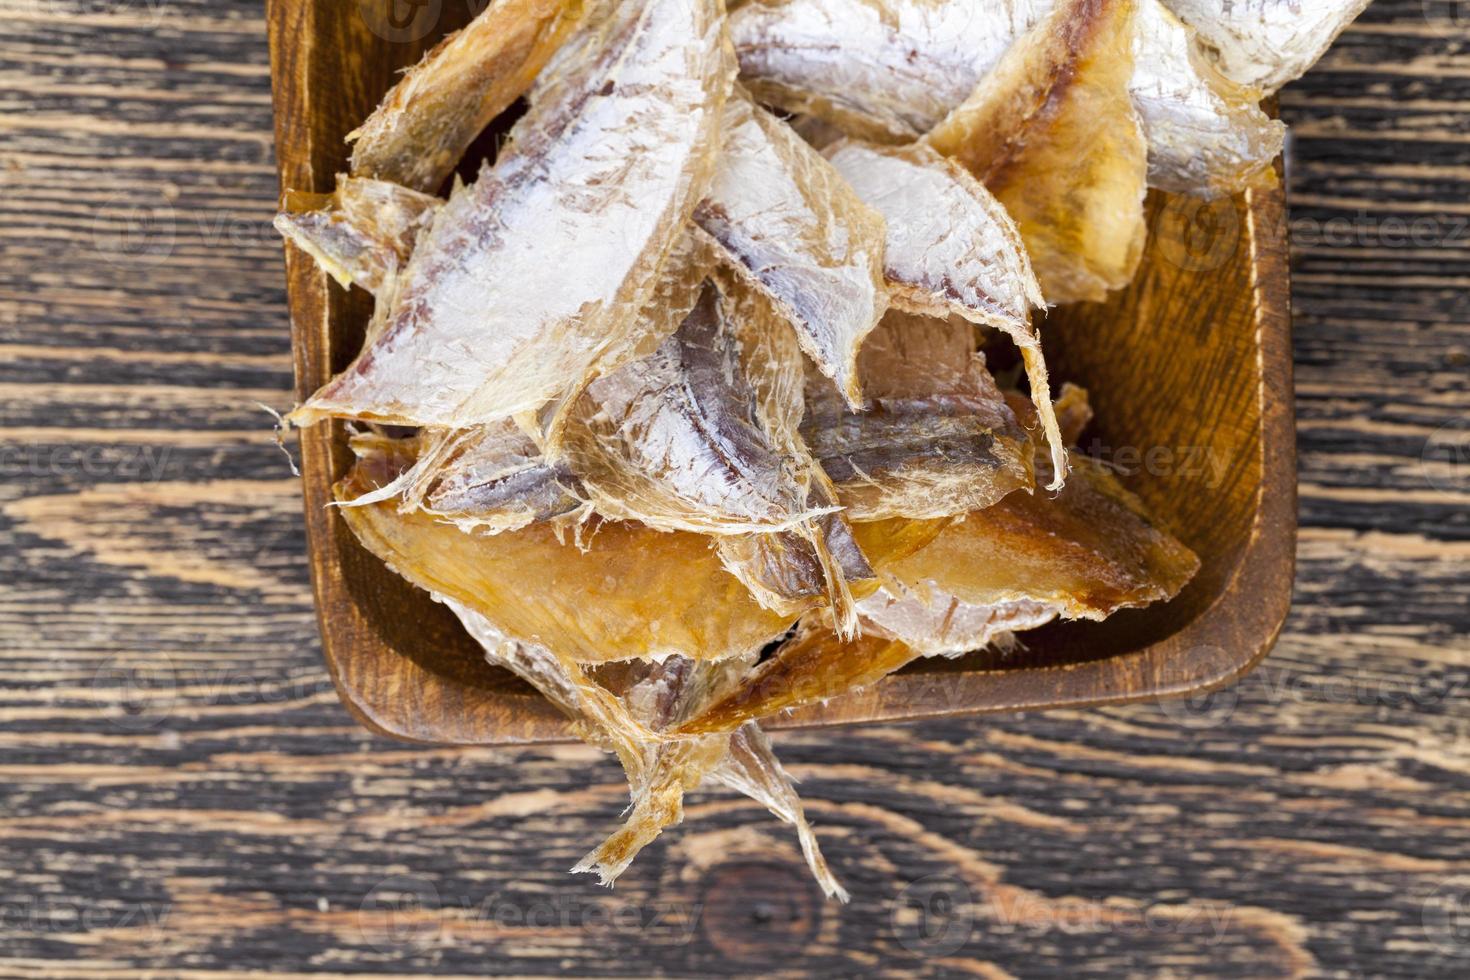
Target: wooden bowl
x: 1189, y: 370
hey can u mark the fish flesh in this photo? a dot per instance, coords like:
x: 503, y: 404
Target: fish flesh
x: 939, y: 438
x: 1263, y: 44
x: 796, y: 231
x: 702, y: 435
x: 1052, y: 132
x: 427, y: 121
x: 883, y: 70
x: 363, y: 233
x: 952, y: 249
x: 1206, y: 134
x: 624, y: 591
x: 600, y: 176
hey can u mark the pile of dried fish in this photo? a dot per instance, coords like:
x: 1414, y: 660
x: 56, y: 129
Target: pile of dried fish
x: 681, y: 406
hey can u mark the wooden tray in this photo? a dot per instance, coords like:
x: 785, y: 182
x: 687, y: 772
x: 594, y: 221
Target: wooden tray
x: 1189, y: 370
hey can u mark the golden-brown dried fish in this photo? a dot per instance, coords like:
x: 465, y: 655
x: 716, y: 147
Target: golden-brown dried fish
x: 886, y: 70
x: 1052, y: 132
x: 627, y: 591
x: 600, y: 177
x: 952, y: 249
x: 422, y: 129
x: 797, y: 231
x: 1083, y: 554
x: 1206, y: 135
x: 939, y: 438
x: 1263, y: 44
x: 363, y: 233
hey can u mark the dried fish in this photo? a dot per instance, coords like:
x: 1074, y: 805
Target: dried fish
x: 600, y: 177
x: 1263, y: 44
x: 796, y: 231
x: 939, y: 625
x: 1206, y: 134
x: 952, y: 249
x: 884, y: 70
x: 627, y: 591
x: 939, y: 439
x: 363, y: 233
x: 1052, y: 132
x: 428, y: 120
x: 495, y: 479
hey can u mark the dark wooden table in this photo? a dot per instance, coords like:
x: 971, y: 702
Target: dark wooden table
x: 182, y: 793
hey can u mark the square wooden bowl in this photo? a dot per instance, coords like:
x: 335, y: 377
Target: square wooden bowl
x: 1189, y: 370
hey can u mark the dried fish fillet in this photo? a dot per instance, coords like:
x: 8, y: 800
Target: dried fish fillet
x: 1206, y: 134
x: 495, y: 479
x: 1263, y: 44
x: 678, y: 440
x: 885, y: 70
x: 797, y: 231
x: 1087, y: 552
x: 600, y: 177
x: 751, y: 768
x: 1052, y: 132
x: 364, y: 232
x: 628, y: 591
x: 937, y: 625
x: 952, y: 249
x: 939, y: 438
x: 422, y: 129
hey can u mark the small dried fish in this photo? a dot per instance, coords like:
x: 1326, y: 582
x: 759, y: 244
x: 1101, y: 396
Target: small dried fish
x: 884, y: 70
x: 1263, y: 44
x: 417, y: 136
x: 601, y: 176
x: 939, y: 439
x: 363, y: 233
x: 1052, y: 132
x: 796, y: 231
x: 627, y: 591
x: 1206, y: 134
x: 952, y: 249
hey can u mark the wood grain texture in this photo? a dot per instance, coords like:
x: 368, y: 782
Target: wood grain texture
x: 183, y: 794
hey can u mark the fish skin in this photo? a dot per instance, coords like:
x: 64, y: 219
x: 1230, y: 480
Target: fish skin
x: 953, y: 249
x: 938, y: 625
x: 797, y: 231
x: 1052, y: 132
x: 600, y: 175
x: 627, y: 592
x: 418, y: 134
x: 1263, y: 44
x: 1206, y: 135
x: 497, y: 480
x: 939, y: 439
x: 364, y: 233
x: 883, y: 70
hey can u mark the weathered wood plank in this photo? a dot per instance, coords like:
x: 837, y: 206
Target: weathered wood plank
x: 180, y: 792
